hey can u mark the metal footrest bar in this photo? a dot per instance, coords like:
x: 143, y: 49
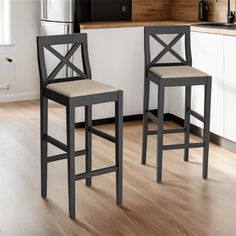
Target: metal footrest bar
x: 152, y: 117
x: 101, y: 134
x: 96, y: 172
x: 183, y: 146
x: 197, y: 115
x: 55, y: 142
x: 64, y: 156
x: 167, y: 131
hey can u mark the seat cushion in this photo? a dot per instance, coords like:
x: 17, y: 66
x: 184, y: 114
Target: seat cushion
x: 80, y: 88
x: 171, y: 72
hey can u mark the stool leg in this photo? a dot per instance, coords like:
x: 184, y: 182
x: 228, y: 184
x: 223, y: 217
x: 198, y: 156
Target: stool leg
x: 145, y: 119
x: 160, y: 123
x: 119, y: 147
x: 88, y: 142
x: 44, y: 144
x: 187, y: 120
x: 70, y: 114
x: 207, y: 112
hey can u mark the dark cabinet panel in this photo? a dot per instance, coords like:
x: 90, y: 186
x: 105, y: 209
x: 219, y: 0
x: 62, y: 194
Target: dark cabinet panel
x: 111, y: 10
x: 82, y: 10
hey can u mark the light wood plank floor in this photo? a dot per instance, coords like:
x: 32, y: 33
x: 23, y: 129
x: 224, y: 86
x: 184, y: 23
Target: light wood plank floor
x: 184, y: 204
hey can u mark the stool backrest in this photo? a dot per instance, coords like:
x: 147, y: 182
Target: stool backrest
x: 71, y: 43
x: 157, y: 33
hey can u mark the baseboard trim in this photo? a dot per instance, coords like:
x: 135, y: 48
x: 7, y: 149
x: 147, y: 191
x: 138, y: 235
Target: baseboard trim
x: 128, y: 118
x: 110, y: 120
x: 216, y: 139
x: 18, y: 97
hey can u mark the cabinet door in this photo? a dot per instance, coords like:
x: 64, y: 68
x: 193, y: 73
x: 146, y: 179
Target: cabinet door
x: 177, y: 94
x: 117, y: 58
x: 230, y: 88
x: 207, y: 50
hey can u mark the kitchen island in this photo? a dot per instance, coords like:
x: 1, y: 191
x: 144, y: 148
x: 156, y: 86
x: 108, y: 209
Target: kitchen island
x: 117, y: 57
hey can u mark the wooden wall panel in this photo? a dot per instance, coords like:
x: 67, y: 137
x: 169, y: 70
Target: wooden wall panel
x: 188, y: 10
x: 150, y: 10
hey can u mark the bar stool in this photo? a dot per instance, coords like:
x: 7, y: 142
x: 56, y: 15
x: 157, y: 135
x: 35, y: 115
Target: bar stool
x: 172, y: 74
x: 79, y: 90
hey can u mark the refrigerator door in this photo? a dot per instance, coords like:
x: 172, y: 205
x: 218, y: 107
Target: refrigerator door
x: 56, y: 28
x: 58, y: 10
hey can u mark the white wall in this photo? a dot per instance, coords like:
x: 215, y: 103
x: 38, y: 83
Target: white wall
x: 25, y: 17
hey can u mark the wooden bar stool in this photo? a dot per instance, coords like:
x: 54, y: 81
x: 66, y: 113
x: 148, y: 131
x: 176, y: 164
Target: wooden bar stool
x: 172, y: 74
x: 72, y: 92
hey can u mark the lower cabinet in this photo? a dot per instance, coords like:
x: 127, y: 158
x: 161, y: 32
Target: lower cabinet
x: 207, y: 53
x: 208, y: 56
x: 117, y: 58
x: 230, y: 88
x: 215, y: 55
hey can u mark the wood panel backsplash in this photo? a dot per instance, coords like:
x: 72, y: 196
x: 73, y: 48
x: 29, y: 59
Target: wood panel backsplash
x: 188, y: 10
x: 150, y: 10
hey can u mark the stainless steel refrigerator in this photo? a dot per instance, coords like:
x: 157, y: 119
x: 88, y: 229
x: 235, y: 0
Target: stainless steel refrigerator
x: 57, y: 17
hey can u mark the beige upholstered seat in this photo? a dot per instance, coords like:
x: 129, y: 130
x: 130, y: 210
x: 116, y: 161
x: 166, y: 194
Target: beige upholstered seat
x: 170, y: 72
x: 81, y: 88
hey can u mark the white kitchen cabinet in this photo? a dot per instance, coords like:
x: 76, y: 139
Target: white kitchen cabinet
x: 177, y: 94
x: 117, y: 58
x: 230, y: 88
x: 207, y: 53
x: 208, y: 56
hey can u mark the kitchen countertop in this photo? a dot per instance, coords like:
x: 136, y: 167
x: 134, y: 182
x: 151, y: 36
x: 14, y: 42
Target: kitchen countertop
x: 124, y: 24
x: 229, y: 32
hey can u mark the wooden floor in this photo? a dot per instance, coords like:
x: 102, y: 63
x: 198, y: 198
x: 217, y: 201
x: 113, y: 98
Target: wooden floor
x: 184, y: 204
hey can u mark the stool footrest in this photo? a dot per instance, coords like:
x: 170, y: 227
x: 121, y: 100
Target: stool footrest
x: 152, y: 117
x: 197, y: 115
x: 65, y: 156
x: 183, y: 146
x: 102, y: 134
x: 55, y: 142
x: 167, y: 131
x: 96, y: 172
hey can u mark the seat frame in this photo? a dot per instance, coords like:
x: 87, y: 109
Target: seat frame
x: 154, y: 31
x: 71, y: 103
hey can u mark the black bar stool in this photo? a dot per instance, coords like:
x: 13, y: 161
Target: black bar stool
x: 172, y: 74
x: 72, y: 92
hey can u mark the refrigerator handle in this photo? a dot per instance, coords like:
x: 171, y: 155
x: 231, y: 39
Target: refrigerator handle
x: 66, y: 28
x: 45, y: 9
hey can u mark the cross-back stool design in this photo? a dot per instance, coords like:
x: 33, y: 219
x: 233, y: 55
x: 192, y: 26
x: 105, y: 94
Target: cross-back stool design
x: 76, y: 91
x: 177, y: 71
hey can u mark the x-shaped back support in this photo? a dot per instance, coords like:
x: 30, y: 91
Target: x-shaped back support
x: 168, y: 48
x: 65, y: 60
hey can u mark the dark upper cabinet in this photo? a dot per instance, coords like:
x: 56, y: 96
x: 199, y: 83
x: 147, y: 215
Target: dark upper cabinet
x: 82, y: 10
x: 103, y: 10
x: 111, y: 10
